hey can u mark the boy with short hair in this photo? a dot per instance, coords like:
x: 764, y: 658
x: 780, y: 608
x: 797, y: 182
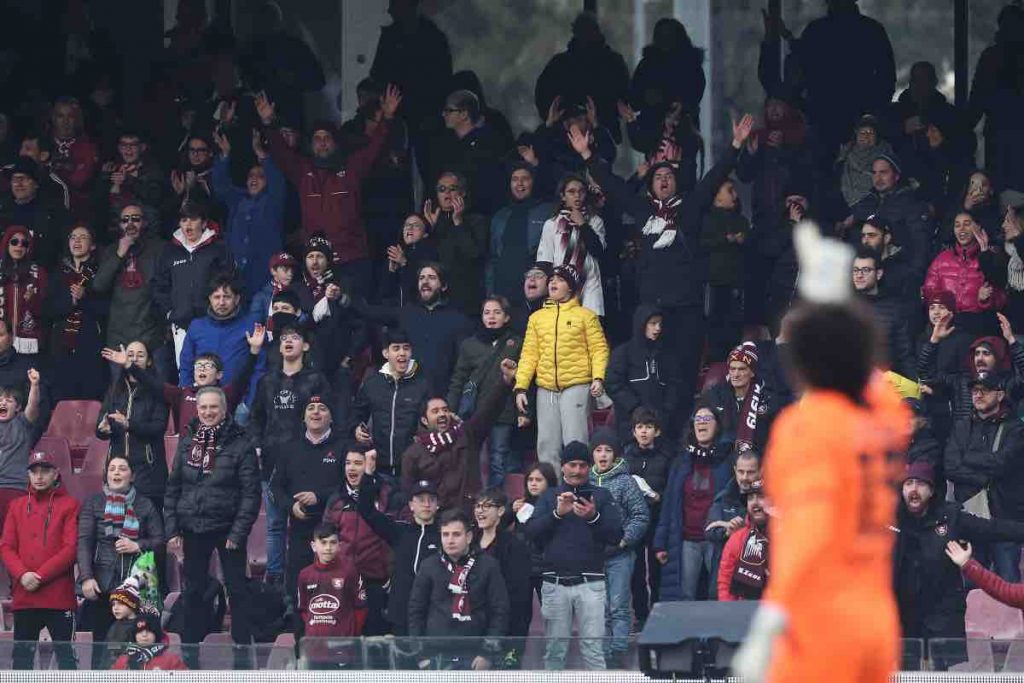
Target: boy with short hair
x: 39, y: 545
x: 611, y: 472
x: 649, y: 457
x: 282, y: 273
x: 148, y: 650
x: 19, y: 430
x: 331, y: 600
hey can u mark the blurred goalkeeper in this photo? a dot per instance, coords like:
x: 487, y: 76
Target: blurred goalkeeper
x: 830, y: 481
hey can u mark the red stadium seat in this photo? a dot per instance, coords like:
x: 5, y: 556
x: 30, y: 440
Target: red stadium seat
x: 170, y: 448
x: 217, y: 653
x: 515, y: 486
x: 282, y: 654
x: 256, y: 548
x: 59, y: 450
x: 171, y: 427
x: 84, y: 485
x: 76, y: 422
x: 715, y: 374
x: 95, y: 458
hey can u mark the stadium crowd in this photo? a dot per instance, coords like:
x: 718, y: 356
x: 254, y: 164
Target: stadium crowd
x: 545, y: 384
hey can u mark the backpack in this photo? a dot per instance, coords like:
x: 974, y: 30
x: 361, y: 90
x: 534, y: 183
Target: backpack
x: 214, y: 596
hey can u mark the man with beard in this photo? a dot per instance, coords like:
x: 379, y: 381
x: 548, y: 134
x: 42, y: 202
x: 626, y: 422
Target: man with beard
x: 985, y: 453
x: 743, y: 572
x: 435, y: 328
x: 889, y: 310
x: 535, y: 292
x: 447, y: 450
x: 133, y: 177
x: 742, y: 401
x: 987, y: 354
x: 515, y: 233
x: 43, y: 214
x: 125, y: 271
x: 929, y: 589
x: 729, y: 508
x: 330, y: 185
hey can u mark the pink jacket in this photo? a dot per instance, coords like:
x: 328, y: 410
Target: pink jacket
x: 957, y: 270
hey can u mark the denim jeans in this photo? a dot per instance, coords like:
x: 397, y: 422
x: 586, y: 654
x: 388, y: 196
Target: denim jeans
x: 501, y: 458
x: 560, y: 603
x: 1006, y: 561
x: 697, y: 555
x: 618, y: 572
x: 277, y: 528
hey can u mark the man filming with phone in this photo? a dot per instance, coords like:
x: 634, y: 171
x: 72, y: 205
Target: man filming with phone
x: 572, y: 525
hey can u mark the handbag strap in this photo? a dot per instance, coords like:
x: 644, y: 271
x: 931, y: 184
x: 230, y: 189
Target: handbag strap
x: 999, y: 437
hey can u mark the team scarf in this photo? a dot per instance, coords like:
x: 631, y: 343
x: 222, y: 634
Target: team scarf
x: 436, y: 442
x: 141, y: 655
x: 131, y: 276
x: 25, y: 280
x: 458, y: 586
x: 571, y: 237
x: 204, y: 448
x: 70, y: 276
x: 317, y: 285
x: 119, y: 511
x: 663, y: 221
x: 751, y: 572
x: 750, y: 412
x: 698, y: 452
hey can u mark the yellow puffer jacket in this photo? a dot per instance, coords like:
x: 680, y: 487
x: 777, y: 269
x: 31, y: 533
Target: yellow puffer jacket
x: 564, y: 346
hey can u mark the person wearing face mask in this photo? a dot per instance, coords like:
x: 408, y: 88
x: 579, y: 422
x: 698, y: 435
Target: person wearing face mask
x: 446, y: 449
x: 516, y: 232
x: 398, y: 284
x: 114, y: 527
x: 255, y: 223
x: 23, y: 290
x: 474, y: 377
x: 699, y: 474
x: 329, y: 184
x: 672, y: 264
x: 79, y: 314
x: 195, y: 254
x: 126, y: 268
x: 461, y: 238
x: 368, y: 550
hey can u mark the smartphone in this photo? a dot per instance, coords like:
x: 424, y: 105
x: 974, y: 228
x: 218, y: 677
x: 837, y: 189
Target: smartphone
x: 583, y: 493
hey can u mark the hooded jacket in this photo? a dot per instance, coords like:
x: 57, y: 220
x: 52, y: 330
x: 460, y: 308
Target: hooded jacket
x: 132, y: 314
x: 357, y: 538
x: 411, y: 543
x: 23, y: 290
x: 455, y: 468
x: 957, y: 385
x: 394, y: 407
x: 180, y: 284
x: 627, y: 495
x: 225, y: 501
x: 642, y: 372
x: 564, y: 346
x: 958, y: 270
x: 41, y: 535
x: 97, y: 558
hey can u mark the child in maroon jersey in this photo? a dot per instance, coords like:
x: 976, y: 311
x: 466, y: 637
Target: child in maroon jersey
x: 331, y: 602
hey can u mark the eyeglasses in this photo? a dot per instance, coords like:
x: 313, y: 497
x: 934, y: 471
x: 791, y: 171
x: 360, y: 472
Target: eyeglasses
x: 131, y: 218
x: 703, y: 419
x: 451, y: 110
x: 198, y: 150
x: 864, y: 271
x: 485, y: 506
x: 18, y: 242
x: 292, y: 337
x: 448, y: 188
x: 535, y: 275
x: 128, y: 145
x: 205, y: 365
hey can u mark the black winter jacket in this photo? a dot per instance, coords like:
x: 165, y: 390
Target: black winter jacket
x: 728, y: 504
x: 430, y: 602
x: 891, y: 315
x: 319, y: 468
x: 643, y: 373
x: 988, y: 454
x: 395, y: 407
x: 653, y: 464
x: 226, y: 500
x: 143, y: 442
x: 276, y: 417
x: 929, y: 588
x: 513, y: 557
x: 411, y: 543
x: 907, y: 216
x: 180, y: 284
x: 957, y: 383
x: 723, y: 403
x: 97, y: 558
x: 572, y: 545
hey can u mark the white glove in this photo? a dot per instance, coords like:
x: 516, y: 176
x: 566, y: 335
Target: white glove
x: 752, y: 659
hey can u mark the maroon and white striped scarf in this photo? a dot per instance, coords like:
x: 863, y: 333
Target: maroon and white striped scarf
x: 752, y: 408
x: 73, y: 322
x: 458, y: 586
x: 572, y: 240
x: 204, y: 448
x: 435, y: 442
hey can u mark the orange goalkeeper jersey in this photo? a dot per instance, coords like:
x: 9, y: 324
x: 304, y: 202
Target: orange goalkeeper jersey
x: 831, y: 481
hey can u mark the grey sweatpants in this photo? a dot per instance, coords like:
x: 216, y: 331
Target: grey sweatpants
x: 561, y: 419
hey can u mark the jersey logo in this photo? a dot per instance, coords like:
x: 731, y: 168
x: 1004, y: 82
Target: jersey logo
x: 941, y: 530
x: 338, y: 583
x: 324, y: 604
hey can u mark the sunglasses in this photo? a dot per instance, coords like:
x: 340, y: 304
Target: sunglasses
x: 448, y: 188
x: 18, y: 242
x: 133, y: 218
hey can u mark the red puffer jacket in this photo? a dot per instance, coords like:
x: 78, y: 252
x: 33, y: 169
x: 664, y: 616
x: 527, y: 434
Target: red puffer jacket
x: 370, y: 552
x: 958, y: 270
x: 41, y: 536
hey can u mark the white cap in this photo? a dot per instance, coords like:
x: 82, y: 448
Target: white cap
x: 825, y: 276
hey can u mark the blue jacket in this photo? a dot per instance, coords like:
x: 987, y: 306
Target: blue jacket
x: 536, y: 216
x: 571, y: 545
x: 226, y: 338
x: 669, y: 534
x: 636, y: 515
x: 255, y: 224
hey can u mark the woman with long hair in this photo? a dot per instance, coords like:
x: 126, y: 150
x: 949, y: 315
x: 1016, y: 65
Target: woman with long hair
x: 23, y: 288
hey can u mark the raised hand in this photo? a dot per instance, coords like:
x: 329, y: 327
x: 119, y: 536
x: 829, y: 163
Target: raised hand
x: 458, y: 207
x: 33, y: 377
x: 579, y: 142
x: 1005, y: 328
x: 626, y: 112
x: 257, y: 145
x: 265, y: 109
x: 256, y: 338
x: 958, y: 554
x: 942, y: 329
x: 227, y: 113
x: 741, y: 130
x: 390, y: 100
x: 555, y: 112
x: 222, y: 142
x: 982, y: 238
x: 527, y: 153
x: 431, y: 213
x: 178, y: 181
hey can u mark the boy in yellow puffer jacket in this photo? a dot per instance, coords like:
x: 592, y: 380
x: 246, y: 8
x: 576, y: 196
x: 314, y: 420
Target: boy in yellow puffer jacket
x: 566, y: 351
